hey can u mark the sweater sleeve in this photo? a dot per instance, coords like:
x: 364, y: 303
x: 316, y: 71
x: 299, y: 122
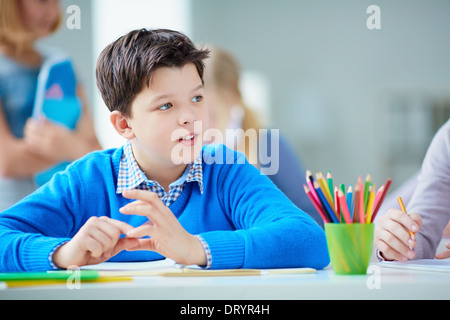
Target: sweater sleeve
x: 31, y: 229
x: 431, y: 199
x: 271, y: 232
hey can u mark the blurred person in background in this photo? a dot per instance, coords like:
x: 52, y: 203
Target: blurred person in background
x: 26, y: 146
x: 230, y: 115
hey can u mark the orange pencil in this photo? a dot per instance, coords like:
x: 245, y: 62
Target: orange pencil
x: 402, y: 207
x: 344, y: 207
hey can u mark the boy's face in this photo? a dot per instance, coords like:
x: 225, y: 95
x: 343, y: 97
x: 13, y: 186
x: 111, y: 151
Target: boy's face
x: 168, y: 117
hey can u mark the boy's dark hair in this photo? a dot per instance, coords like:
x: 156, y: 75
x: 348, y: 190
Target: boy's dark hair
x: 126, y: 63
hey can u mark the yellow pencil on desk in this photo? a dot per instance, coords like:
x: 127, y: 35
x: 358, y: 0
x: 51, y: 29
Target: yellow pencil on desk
x: 402, y: 207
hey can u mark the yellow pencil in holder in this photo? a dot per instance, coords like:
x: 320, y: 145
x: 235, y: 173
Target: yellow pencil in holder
x: 350, y: 246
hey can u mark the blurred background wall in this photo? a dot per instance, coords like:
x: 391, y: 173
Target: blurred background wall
x: 349, y: 99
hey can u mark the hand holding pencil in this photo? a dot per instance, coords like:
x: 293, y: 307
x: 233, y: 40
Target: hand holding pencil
x: 395, y: 234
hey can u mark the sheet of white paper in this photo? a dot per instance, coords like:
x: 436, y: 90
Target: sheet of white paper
x: 420, y: 264
x: 165, y: 264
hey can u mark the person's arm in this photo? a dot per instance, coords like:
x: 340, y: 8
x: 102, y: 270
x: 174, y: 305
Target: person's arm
x: 34, y: 227
x: 428, y: 208
x: 271, y: 231
x: 431, y: 199
x: 15, y: 160
x: 56, y: 143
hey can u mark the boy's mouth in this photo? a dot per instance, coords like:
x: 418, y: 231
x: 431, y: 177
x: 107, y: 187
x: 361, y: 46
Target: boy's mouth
x: 188, y: 140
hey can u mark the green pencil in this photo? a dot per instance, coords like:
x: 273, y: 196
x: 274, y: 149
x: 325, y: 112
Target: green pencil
x: 366, y: 191
x: 52, y: 275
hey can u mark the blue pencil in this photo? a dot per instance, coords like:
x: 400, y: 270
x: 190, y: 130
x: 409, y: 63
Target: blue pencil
x: 349, y: 200
x: 325, y: 202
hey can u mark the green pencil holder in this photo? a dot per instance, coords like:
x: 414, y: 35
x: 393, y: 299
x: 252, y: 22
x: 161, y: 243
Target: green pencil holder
x: 350, y: 246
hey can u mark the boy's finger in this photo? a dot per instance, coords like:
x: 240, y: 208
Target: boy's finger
x: 94, y: 247
x: 128, y: 244
x: 123, y: 227
x: 146, y: 196
x: 145, y: 210
x: 142, y: 231
x: 143, y: 244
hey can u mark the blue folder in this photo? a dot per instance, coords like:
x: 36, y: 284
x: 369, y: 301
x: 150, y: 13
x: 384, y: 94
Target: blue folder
x: 56, y: 99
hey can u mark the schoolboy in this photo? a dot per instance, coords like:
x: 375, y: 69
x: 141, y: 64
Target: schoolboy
x: 136, y: 203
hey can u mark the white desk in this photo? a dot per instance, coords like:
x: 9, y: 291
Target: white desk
x: 393, y: 284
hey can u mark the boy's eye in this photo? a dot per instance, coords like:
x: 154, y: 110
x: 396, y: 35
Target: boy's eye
x: 197, y: 99
x: 166, y: 106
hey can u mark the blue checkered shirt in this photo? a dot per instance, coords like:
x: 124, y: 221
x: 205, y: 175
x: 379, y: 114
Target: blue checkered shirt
x: 132, y: 177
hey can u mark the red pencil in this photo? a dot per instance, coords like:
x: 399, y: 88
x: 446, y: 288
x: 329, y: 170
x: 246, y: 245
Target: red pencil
x: 344, y: 207
x: 383, y: 195
x: 316, y: 205
x: 337, y: 205
x: 310, y: 181
x: 362, y: 218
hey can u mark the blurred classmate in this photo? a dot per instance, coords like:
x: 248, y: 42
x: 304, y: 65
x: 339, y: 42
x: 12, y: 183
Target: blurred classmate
x: 230, y: 115
x: 429, y: 209
x: 26, y: 147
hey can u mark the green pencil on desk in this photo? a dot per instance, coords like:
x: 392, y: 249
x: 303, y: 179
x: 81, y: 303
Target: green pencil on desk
x: 33, y: 279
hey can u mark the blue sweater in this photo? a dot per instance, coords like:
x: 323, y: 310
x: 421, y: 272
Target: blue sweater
x: 245, y: 220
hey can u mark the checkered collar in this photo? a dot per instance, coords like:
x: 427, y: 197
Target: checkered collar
x: 131, y: 175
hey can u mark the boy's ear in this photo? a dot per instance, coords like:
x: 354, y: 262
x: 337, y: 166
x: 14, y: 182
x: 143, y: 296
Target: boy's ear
x: 120, y: 123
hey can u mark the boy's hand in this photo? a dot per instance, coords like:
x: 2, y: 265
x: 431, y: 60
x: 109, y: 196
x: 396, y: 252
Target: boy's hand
x: 97, y: 241
x: 167, y: 236
x: 392, y: 236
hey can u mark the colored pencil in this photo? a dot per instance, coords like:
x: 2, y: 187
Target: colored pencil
x: 356, y: 203
x: 366, y: 191
x: 376, y: 201
x: 330, y: 183
x: 324, y: 187
x: 385, y: 191
x: 402, y: 207
x: 310, y: 183
x: 337, y: 205
x: 325, y: 202
x: 370, y: 204
x: 318, y: 206
x: 344, y: 207
x: 350, y: 200
x: 361, y: 202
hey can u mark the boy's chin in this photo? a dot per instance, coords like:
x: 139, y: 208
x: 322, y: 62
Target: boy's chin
x: 185, y: 155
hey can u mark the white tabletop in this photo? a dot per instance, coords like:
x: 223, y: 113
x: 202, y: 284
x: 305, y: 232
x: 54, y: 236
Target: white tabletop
x: 379, y: 283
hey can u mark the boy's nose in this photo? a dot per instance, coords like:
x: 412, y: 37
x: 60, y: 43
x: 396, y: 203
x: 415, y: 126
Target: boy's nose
x: 187, y: 116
